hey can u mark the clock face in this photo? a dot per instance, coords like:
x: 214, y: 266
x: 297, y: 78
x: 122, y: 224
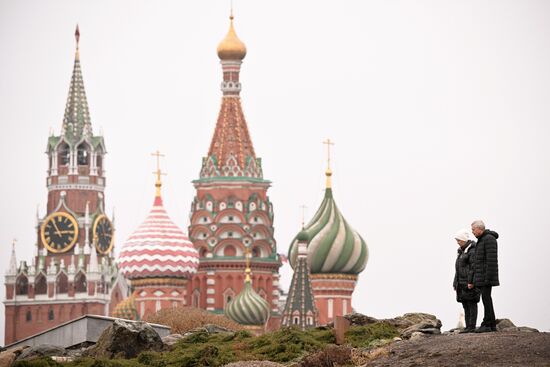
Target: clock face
x: 103, y: 234
x: 59, y: 232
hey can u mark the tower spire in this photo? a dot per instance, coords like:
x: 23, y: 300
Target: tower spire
x: 77, y: 37
x: 12, y: 270
x: 76, y: 120
x: 328, y: 172
x: 158, y: 173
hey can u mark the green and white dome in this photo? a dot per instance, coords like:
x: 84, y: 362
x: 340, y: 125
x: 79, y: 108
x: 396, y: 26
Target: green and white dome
x: 333, y: 246
x: 248, y: 308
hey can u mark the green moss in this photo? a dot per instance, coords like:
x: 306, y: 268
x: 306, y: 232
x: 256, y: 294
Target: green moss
x: 216, y: 350
x: 370, y: 335
x: 38, y: 362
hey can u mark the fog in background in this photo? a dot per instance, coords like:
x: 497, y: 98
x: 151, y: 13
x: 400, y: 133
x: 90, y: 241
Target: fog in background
x: 439, y: 111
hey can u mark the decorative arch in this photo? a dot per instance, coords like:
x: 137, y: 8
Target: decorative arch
x: 196, y: 298
x: 63, y: 154
x: 228, y: 212
x: 40, y: 284
x: 22, y: 285
x: 229, y: 250
x: 83, y: 154
x: 80, y: 283
x: 62, y: 283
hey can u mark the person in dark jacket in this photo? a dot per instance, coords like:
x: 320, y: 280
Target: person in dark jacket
x: 486, y: 272
x: 464, y: 279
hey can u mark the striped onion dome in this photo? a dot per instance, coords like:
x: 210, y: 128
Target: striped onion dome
x: 333, y: 246
x: 126, y: 309
x: 248, y: 308
x: 158, y: 248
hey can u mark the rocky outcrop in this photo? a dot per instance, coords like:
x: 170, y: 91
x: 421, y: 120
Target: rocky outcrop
x: 126, y: 339
x: 43, y: 350
x: 408, y: 324
x: 209, y: 329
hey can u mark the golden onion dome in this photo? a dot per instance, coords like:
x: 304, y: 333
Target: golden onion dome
x: 231, y: 47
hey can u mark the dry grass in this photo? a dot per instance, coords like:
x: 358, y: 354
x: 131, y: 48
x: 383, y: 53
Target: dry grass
x: 183, y: 319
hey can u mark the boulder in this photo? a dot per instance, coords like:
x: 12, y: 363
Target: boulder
x: 504, y: 324
x: 357, y: 319
x: 125, y: 339
x: 7, y: 358
x: 426, y: 326
x: 171, y: 339
x: 42, y: 350
x: 209, y: 329
x: 416, y: 335
x: 520, y: 328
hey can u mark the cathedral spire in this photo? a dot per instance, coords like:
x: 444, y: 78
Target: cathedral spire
x: 12, y: 270
x: 76, y: 120
x: 328, y: 172
x: 231, y: 153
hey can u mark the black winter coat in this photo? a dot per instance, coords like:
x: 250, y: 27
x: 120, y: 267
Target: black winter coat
x: 486, y: 260
x: 464, y: 265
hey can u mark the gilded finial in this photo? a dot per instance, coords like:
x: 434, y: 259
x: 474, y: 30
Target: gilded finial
x: 158, y: 172
x: 77, y: 37
x: 328, y: 172
x: 231, y: 47
x: 13, y: 242
x: 247, y: 270
x: 231, y: 12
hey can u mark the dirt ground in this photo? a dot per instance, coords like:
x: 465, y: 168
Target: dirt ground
x: 465, y: 350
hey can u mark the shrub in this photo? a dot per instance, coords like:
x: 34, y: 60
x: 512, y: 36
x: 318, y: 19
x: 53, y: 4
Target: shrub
x: 365, y: 336
x: 183, y: 319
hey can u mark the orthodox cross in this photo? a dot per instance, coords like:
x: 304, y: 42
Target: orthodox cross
x: 158, y: 172
x: 328, y: 143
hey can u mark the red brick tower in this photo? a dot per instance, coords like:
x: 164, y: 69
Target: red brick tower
x: 72, y: 273
x: 231, y: 211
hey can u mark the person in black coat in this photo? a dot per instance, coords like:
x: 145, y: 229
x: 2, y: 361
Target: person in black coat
x: 486, y: 272
x: 464, y: 279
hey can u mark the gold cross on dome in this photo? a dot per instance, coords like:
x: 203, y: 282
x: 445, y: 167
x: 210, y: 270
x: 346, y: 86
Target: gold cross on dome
x: 328, y: 143
x: 158, y: 172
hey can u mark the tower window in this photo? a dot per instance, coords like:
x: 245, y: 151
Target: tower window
x: 229, y: 234
x: 83, y: 155
x: 230, y: 218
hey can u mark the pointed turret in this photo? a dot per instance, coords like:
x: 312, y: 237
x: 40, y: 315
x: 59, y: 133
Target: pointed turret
x: 12, y: 269
x: 300, y: 310
x: 76, y: 121
x: 231, y: 152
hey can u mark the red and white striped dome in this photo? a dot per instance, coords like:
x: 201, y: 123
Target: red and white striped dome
x: 158, y: 249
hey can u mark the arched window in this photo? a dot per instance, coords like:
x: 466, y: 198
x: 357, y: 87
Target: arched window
x: 195, y: 301
x: 64, y: 154
x: 228, y: 296
x: 62, y: 284
x: 21, y: 285
x: 28, y: 316
x: 83, y: 154
x: 40, y: 285
x: 229, y: 251
x: 256, y: 252
x: 80, y: 284
x: 50, y: 314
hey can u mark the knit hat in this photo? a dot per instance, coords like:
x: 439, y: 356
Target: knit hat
x: 463, y: 235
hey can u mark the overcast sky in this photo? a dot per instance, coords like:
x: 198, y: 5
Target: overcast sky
x: 439, y: 110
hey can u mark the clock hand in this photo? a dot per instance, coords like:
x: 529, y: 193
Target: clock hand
x: 56, y: 229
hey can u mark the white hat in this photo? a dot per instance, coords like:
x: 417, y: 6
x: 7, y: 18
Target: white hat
x: 463, y: 235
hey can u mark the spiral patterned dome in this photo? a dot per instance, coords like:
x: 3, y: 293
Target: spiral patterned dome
x: 333, y: 246
x: 158, y: 249
x: 248, y: 308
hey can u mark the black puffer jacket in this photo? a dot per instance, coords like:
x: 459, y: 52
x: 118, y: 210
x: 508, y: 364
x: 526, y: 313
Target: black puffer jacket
x: 486, y: 260
x: 464, y: 265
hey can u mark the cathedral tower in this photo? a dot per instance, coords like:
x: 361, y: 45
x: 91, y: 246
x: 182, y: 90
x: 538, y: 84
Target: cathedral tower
x: 72, y: 273
x: 336, y: 254
x: 231, y: 211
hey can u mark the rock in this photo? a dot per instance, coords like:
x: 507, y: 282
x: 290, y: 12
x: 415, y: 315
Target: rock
x: 171, y: 339
x: 427, y: 326
x: 504, y: 324
x: 42, y: 350
x: 7, y: 358
x: 253, y: 364
x: 519, y: 328
x: 360, y: 319
x: 331, y: 355
x: 397, y: 339
x: 416, y: 335
x: 125, y: 339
